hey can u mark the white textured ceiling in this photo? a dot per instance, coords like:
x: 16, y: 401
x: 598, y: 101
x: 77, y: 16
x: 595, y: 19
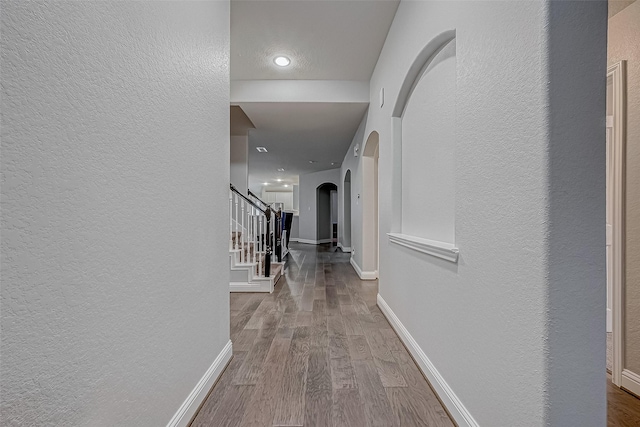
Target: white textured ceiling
x: 330, y: 43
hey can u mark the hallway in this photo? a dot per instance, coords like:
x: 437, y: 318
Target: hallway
x: 318, y: 352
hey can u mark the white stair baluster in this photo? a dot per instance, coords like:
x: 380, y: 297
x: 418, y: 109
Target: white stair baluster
x: 242, y: 257
x: 235, y: 242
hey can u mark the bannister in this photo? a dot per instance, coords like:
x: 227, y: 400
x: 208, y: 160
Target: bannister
x: 250, y: 231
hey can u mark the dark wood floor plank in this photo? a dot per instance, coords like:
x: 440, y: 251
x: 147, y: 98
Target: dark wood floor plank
x: 318, y: 396
x: 252, y: 366
x: 260, y: 410
x: 378, y: 410
x: 290, y: 399
x: 411, y: 408
x: 244, y: 340
x: 388, y: 369
x: 351, y: 320
x: 306, y: 303
x: 232, y: 408
x: 359, y: 348
x: 304, y: 318
x: 348, y: 409
x: 623, y: 408
x: 342, y: 375
x: 215, y: 399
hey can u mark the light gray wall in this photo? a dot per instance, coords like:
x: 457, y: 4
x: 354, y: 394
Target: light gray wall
x: 115, y: 148
x: 351, y: 162
x: 307, y: 193
x: 344, y: 213
x: 514, y: 326
x: 240, y: 162
x: 623, y: 42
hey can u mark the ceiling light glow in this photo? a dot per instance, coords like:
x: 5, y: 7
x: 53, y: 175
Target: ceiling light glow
x: 265, y: 183
x: 286, y: 185
x: 282, y: 61
x: 280, y: 169
x: 279, y: 180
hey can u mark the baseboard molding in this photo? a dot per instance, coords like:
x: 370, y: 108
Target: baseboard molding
x: 631, y: 382
x: 345, y: 249
x: 187, y: 410
x: 364, y: 275
x: 454, y: 406
x: 260, y: 286
x: 313, y: 242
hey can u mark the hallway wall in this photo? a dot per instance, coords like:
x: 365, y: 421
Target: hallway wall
x: 510, y: 328
x: 623, y: 42
x: 308, y: 230
x: 115, y: 148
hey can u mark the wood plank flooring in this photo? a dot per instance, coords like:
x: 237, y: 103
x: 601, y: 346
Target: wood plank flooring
x: 318, y: 352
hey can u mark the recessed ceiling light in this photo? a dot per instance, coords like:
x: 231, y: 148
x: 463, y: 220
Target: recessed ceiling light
x: 280, y: 169
x: 265, y: 183
x: 282, y: 61
x: 279, y: 180
x: 286, y: 185
x: 261, y: 149
x: 312, y: 161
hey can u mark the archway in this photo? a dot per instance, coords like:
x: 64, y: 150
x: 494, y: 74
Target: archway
x: 346, y: 211
x: 370, y: 238
x: 326, y: 212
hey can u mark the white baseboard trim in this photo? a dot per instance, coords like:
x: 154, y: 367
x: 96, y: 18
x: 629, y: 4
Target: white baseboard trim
x: 364, y: 275
x: 345, y: 249
x: 631, y: 381
x: 263, y: 285
x: 460, y: 414
x: 313, y: 242
x: 188, y: 409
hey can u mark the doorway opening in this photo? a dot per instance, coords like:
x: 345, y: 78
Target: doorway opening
x: 326, y: 212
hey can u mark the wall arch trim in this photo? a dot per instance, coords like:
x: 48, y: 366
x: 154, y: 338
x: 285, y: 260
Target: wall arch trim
x: 417, y: 67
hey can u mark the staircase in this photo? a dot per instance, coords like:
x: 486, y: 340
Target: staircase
x: 253, y: 234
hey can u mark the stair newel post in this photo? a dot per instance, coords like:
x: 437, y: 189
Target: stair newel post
x: 230, y: 219
x: 279, y: 235
x: 260, y: 242
x: 267, y: 256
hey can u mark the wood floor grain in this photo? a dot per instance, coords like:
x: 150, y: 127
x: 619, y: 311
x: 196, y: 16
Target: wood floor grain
x: 318, y: 352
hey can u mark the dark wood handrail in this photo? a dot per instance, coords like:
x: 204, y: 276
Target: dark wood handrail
x: 252, y: 194
x: 251, y: 202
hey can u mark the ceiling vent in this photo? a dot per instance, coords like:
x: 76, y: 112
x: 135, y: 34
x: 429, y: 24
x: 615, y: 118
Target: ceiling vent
x: 261, y: 149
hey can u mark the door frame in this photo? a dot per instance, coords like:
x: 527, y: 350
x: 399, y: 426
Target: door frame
x: 618, y: 74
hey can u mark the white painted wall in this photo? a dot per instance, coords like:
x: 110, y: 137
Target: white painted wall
x: 308, y: 184
x: 428, y: 151
x: 352, y: 163
x: 517, y: 325
x: 115, y: 148
x: 240, y: 162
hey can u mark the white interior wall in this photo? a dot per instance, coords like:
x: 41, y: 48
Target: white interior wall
x: 308, y: 210
x: 352, y: 163
x: 511, y: 327
x: 115, y: 148
x: 240, y: 162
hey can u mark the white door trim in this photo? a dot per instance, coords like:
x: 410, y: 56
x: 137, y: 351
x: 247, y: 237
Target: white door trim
x: 618, y: 73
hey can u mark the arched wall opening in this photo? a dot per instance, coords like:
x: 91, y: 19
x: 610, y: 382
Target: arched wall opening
x: 326, y: 211
x: 370, y: 227
x: 346, y: 204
